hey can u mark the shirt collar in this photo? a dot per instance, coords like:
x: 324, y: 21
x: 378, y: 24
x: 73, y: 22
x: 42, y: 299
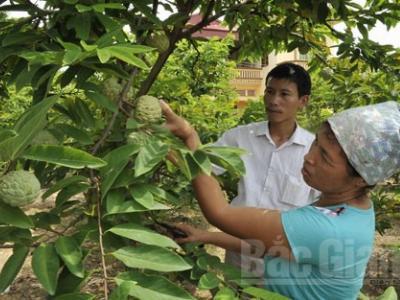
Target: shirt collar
x: 298, y: 137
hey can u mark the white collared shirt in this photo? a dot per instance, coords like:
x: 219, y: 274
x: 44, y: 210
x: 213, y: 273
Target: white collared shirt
x: 273, y: 177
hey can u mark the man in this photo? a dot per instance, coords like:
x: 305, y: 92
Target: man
x: 276, y: 150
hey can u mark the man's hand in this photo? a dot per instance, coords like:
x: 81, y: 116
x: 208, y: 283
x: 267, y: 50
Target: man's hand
x: 180, y: 127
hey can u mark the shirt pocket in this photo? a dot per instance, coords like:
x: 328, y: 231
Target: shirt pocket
x: 295, y: 192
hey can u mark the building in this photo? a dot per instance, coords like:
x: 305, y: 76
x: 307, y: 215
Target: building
x: 250, y: 79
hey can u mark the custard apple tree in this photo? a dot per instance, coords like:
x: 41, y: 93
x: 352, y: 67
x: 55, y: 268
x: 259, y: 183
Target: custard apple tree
x: 84, y: 65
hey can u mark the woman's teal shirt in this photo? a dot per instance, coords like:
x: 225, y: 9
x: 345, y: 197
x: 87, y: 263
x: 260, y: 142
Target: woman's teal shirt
x: 331, y: 251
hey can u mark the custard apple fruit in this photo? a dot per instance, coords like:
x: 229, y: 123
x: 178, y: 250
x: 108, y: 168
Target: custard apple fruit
x: 148, y: 109
x: 158, y: 40
x: 44, y: 137
x: 137, y: 138
x: 19, y: 188
x: 112, y: 89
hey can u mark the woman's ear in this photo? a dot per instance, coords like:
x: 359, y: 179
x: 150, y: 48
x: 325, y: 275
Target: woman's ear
x: 360, y: 182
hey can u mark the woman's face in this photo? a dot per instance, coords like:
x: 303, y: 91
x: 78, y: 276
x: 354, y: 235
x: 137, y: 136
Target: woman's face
x: 325, y: 166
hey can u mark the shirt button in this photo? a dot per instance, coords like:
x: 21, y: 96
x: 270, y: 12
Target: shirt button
x: 251, y: 131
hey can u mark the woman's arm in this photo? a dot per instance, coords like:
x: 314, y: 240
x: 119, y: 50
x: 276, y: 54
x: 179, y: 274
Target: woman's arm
x: 220, y: 239
x: 246, y: 223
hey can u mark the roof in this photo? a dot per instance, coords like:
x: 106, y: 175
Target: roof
x: 214, y: 29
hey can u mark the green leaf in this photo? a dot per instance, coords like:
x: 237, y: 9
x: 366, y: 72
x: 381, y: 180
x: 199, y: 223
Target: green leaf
x: 104, y: 55
x: 149, y: 156
x: 63, y: 183
x: 225, y: 294
x: 78, y: 134
x: 114, y: 200
x: 124, y: 53
x: 13, y: 265
x: 110, y: 177
x: 12, y: 234
x: 29, y: 124
x: 119, y: 154
x: 76, y: 296
x: 116, y: 160
x: 71, y: 254
x: 100, y: 8
x: 202, y: 160
x: 71, y: 1
x: 69, y: 283
x: 84, y: 113
x: 263, y: 294
x: 208, y: 281
x: 110, y: 24
x: 142, y: 195
x: 21, y: 38
x: 143, y: 235
x: 139, y: 4
x: 182, y: 163
x: 132, y: 206
x: 45, y: 265
x: 208, y: 261
x: 81, y: 24
x: 121, y: 292
x: 69, y: 191
x: 389, y: 294
x: 160, y: 193
x: 151, y: 258
x: 7, y: 133
x: 228, y: 158
x: 101, y: 100
x: 14, y: 216
x: 64, y: 156
x: 83, y: 8
x: 43, y: 58
x: 152, y: 287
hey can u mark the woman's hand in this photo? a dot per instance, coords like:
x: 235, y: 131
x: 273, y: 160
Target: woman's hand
x: 180, y: 127
x: 193, y: 234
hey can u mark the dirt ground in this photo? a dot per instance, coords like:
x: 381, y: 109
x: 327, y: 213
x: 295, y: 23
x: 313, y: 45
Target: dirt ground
x: 383, y: 269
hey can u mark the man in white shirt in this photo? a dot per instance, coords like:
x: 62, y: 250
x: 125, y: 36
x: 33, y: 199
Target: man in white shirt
x: 276, y: 150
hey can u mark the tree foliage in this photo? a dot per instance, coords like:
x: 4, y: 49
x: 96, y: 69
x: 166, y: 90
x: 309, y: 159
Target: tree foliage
x: 62, y: 53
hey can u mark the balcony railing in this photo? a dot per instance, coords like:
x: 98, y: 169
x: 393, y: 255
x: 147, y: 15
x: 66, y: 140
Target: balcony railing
x: 248, y: 74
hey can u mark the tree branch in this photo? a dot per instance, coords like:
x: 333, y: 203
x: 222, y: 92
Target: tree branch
x: 122, y: 99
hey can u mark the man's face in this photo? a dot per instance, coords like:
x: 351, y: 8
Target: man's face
x: 282, y: 101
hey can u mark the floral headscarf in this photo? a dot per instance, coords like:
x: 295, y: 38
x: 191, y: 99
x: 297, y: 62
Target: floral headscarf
x: 370, y: 137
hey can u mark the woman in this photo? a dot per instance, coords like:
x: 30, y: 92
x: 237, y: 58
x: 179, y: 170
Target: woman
x: 319, y: 251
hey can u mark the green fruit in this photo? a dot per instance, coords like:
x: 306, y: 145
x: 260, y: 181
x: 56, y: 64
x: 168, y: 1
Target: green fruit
x: 112, y: 88
x: 137, y: 138
x: 45, y: 137
x: 148, y: 109
x: 19, y: 188
x: 158, y: 40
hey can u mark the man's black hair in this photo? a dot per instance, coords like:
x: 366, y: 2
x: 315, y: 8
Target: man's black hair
x: 294, y: 73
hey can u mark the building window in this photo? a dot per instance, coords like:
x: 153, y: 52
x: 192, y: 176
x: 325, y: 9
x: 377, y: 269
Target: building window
x: 246, y: 93
x: 251, y: 93
x: 241, y: 92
